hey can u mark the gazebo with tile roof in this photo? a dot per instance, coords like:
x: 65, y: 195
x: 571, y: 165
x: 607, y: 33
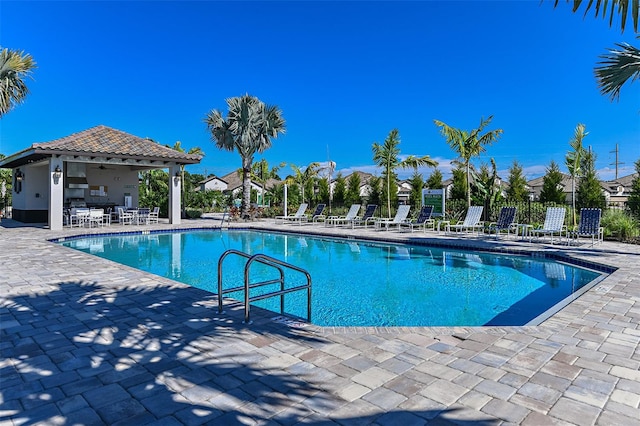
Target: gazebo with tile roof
x: 99, y: 165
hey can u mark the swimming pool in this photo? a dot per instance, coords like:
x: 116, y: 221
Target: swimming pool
x: 358, y: 282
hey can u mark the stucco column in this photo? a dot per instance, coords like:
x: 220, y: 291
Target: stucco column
x: 56, y: 194
x: 175, y: 188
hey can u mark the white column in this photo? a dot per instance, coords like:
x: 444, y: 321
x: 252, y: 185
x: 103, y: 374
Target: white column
x: 56, y: 194
x: 285, y: 199
x: 175, y: 188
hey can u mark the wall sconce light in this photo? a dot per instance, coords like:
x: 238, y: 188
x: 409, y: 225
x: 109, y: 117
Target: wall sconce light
x: 18, y: 176
x: 178, y: 174
x: 57, y: 173
x: 176, y: 178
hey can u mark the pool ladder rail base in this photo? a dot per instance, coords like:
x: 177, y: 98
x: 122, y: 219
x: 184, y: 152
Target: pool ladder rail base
x: 247, y: 286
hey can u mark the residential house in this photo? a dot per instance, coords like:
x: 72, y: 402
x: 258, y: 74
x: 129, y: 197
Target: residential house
x: 233, y: 182
x: 535, y: 187
x: 617, y: 191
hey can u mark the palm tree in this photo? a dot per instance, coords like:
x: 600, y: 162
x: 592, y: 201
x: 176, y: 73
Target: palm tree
x: 386, y: 157
x: 618, y: 67
x: 261, y: 173
x: 248, y: 128
x: 15, y: 66
x: 573, y: 161
x: 303, y: 177
x: 469, y: 144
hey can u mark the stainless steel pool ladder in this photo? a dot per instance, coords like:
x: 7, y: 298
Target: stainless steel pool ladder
x: 269, y: 261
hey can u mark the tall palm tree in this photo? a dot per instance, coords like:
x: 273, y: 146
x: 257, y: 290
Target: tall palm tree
x: 618, y: 67
x: 15, y: 66
x: 573, y: 161
x: 248, y: 128
x: 386, y: 156
x: 469, y: 144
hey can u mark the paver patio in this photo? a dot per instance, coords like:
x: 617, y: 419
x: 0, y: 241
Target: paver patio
x: 88, y: 341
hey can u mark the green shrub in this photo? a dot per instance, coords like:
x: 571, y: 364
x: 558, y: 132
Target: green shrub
x: 194, y: 213
x: 619, y: 225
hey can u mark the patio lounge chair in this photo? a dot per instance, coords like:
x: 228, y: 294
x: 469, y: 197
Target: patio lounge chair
x: 316, y: 216
x: 297, y: 216
x: 553, y: 224
x: 422, y: 221
x: 506, y: 221
x: 471, y: 221
x: 337, y: 220
x: 589, y: 226
x: 367, y: 218
x: 398, y: 219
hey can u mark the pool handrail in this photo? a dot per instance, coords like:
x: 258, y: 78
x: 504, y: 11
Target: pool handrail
x: 269, y: 261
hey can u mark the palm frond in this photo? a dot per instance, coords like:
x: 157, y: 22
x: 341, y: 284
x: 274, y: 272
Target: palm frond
x: 618, y: 7
x: 616, y: 68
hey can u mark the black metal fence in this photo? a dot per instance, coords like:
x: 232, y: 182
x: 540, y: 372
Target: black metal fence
x: 531, y: 212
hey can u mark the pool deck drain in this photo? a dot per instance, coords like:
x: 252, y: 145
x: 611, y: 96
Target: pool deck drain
x: 88, y: 341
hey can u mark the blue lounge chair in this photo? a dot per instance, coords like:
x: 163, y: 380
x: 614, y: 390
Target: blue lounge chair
x: 422, y: 221
x: 506, y: 221
x: 316, y: 216
x: 589, y: 226
x: 367, y: 218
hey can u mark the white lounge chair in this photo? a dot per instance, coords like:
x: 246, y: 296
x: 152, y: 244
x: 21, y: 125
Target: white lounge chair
x: 297, y: 216
x: 553, y: 224
x: 337, y: 220
x: 398, y: 219
x: 471, y: 221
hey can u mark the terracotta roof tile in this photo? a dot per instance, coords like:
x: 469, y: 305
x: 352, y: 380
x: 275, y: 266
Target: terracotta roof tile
x: 106, y: 140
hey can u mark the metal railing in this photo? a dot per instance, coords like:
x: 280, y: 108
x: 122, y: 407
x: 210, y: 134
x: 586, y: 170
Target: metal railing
x: 247, y: 286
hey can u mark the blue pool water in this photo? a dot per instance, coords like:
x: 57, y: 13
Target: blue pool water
x: 360, y: 283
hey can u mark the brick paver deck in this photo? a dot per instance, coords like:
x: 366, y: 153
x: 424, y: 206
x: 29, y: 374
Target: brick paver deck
x: 87, y: 341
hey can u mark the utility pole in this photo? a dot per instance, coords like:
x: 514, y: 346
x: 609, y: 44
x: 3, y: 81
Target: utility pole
x: 616, y: 162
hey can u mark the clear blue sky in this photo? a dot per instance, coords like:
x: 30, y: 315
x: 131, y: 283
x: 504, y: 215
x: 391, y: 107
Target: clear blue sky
x: 343, y: 73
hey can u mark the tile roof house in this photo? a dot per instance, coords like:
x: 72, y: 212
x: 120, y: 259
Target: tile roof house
x: 233, y: 182
x: 617, y: 191
x: 365, y: 189
x: 98, y: 166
